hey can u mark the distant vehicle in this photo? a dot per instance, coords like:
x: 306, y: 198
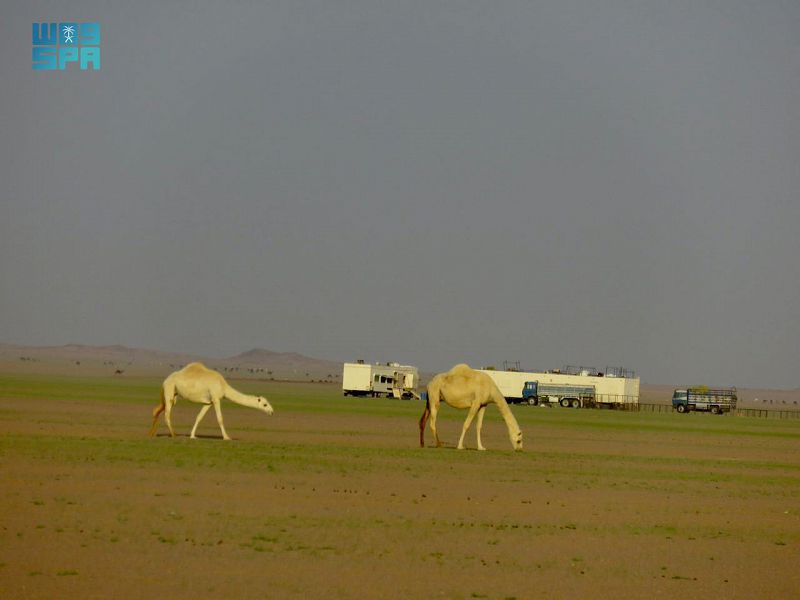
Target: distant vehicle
x: 544, y: 394
x: 614, y: 388
x: 715, y: 401
x: 379, y: 379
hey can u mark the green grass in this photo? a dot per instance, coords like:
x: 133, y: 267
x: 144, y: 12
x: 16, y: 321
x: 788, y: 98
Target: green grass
x: 296, y: 397
x: 322, y: 399
x: 694, y: 423
x: 327, y: 399
x: 353, y: 453
x: 574, y: 469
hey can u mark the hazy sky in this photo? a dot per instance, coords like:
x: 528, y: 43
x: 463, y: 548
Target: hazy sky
x: 561, y: 182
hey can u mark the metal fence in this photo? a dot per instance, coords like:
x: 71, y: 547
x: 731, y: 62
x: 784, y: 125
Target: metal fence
x: 617, y: 400
x: 760, y: 413
x: 655, y: 408
x: 763, y: 413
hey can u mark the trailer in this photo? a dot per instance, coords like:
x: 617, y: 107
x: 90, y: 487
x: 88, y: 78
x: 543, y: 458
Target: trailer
x: 614, y: 388
x: 391, y: 379
x: 545, y: 394
x: 715, y: 401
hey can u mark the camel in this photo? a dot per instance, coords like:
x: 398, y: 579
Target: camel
x: 463, y: 387
x: 197, y: 383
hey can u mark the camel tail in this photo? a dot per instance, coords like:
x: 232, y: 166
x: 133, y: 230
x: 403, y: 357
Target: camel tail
x: 424, y: 421
x: 157, y: 412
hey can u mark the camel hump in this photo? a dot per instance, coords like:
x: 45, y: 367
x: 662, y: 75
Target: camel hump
x: 197, y: 367
x: 465, y: 373
x: 197, y: 370
x: 195, y: 364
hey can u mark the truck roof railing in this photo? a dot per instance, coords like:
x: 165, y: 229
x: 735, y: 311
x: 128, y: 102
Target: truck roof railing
x: 706, y: 391
x: 620, y: 372
x: 579, y: 370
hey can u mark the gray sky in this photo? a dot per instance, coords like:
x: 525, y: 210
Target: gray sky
x: 561, y: 182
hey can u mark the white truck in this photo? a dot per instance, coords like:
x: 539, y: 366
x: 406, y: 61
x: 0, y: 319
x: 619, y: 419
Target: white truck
x: 571, y: 386
x: 380, y: 379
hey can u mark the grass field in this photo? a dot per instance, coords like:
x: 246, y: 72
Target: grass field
x: 332, y: 498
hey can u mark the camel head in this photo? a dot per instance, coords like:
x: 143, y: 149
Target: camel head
x: 263, y: 404
x: 516, y: 439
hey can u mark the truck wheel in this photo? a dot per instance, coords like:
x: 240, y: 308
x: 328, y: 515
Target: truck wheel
x: 533, y: 401
x: 715, y: 410
x: 564, y: 402
x: 575, y: 403
x: 681, y: 408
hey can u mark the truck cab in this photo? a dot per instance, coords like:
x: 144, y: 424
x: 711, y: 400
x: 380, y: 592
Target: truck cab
x: 530, y: 393
x: 680, y: 401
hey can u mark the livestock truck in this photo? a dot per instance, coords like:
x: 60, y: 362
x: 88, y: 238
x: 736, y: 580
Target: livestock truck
x: 571, y: 386
x: 380, y: 379
x: 715, y: 401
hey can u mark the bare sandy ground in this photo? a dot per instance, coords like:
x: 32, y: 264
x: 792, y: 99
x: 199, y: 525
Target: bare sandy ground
x: 345, y: 506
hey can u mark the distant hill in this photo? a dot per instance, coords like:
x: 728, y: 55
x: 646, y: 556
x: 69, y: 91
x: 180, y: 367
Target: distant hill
x: 95, y: 360
x: 289, y: 365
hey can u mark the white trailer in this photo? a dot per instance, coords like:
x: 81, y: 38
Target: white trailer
x: 379, y: 379
x: 614, y: 388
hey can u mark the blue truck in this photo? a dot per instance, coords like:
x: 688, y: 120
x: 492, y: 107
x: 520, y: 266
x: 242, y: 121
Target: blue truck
x: 546, y: 394
x: 715, y: 401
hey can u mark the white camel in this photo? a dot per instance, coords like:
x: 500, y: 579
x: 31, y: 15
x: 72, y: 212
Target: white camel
x: 463, y: 387
x: 197, y: 383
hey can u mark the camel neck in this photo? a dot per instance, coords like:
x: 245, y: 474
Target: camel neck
x: 240, y: 398
x: 508, y: 416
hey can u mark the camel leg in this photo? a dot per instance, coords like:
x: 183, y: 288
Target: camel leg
x: 199, y: 418
x: 169, y: 404
x: 218, y: 409
x: 434, y: 411
x: 423, y: 421
x: 473, y: 410
x: 156, y: 413
x: 479, y: 426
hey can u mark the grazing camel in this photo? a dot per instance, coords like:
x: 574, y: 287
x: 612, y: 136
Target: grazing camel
x: 463, y: 387
x: 197, y: 383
